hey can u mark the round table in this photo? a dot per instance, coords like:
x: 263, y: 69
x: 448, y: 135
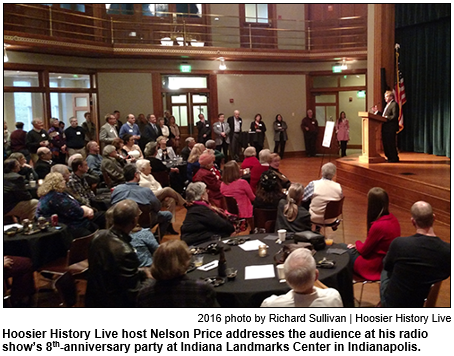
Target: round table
x: 252, y: 292
x: 42, y: 247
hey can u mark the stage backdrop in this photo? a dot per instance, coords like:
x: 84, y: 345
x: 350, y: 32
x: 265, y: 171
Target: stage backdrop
x: 424, y: 34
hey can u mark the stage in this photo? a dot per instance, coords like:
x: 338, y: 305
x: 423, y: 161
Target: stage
x: 418, y: 176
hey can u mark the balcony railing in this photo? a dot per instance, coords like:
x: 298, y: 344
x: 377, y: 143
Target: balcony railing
x: 209, y: 30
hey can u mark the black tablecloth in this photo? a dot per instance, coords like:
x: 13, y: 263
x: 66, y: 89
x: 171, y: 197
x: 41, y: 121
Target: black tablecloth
x: 251, y: 293
x: 42, y: 247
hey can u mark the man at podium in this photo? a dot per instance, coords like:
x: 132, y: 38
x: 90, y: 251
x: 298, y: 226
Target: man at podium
x: 390, y: 127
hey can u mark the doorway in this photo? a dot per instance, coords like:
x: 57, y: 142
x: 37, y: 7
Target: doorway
x: 325, y: 105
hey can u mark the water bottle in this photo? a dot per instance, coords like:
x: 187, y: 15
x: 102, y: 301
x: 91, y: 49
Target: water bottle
x: 222, y: 263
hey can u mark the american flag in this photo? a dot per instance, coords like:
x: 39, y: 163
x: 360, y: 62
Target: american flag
x: 400, y: 96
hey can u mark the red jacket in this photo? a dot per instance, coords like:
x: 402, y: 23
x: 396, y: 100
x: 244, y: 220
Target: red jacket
x: 213, y: 184
x: 372, y: 251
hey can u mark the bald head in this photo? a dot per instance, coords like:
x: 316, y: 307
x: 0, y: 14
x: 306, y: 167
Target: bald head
x: 125, y: 215
x: 422, y: 214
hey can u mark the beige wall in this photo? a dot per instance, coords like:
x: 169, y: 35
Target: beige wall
x: 351, y: 109
x: 130, y: 93
x: 225, y: 31
x: 268, y: 95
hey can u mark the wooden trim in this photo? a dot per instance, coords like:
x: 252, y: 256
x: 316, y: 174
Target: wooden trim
x: 157, y: 96
x: 214, y: 104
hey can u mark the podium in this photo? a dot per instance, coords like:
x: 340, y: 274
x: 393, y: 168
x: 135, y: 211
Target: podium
x: 371, y: 125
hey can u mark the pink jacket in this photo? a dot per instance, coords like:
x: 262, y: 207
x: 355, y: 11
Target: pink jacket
x: 342, y: 130
x: 242, y: 192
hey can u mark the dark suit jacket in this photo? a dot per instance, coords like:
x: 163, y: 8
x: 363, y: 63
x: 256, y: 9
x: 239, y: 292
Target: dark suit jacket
x: 185, y: 152
x: 151, y: 134
x: 42, y: 168
x: 231, y: 123
x: 392, y: 114
x: 204, y: 128
x: 13, y: 191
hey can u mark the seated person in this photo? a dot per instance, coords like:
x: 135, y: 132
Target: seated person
x: 186, y: 151
x: 218, y: 155
x: 233, y: 186
x: 250, y: 158
x: 20, y: 269
x: 301, y: 274
x: 170, y: 286
x: 91, y: 177
x: 382, y: 229
x: 111, y: 167
x: 168, y: 197
x: 320, y: 192
x: 17, y: 200
x: 290, y: 214
x: 54, y: 200
x: 44, y: 162
x: 165, y: 153
x: 77, y: 182
x: 132, y: 190
x: 26, y: 170
x: 193, y: 160
x: 208, y: 175
x: 268, y: 192
x: 202, y: 220
x: 94, y: 159
x: 256, y: 171
x: 274, y: 165
x: 134, y: 152
x: 414, y: 263
x: 114, y: 277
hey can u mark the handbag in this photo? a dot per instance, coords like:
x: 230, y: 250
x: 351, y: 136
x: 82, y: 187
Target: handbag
x: 286, y: 250
x: 317, y: 240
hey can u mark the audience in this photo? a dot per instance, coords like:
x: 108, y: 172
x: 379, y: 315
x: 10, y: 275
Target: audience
x: 54, y: 200
x: 269, y: 191
x: 108, y: 131
x: 144, y: 196
x: 26, y: 170
x: 58, y: 141
x: 36, y: 138
x: 152, y: 131
x: 256, y: 171
x: 250, y: 160
x: 94, y: 159
x: 218, y: 155
x: 170, y: 286
x: 203, y: 130
x: 193, y: 160
x: 164, y: 128
x: 211, y: 177
x: 75, y: 138
x: 174, y: 134
x: 186, y: 151
x: 77, y: 182
x: 111, y: 167
x: 89, y: 127
x: 382, y: 229
x: 274, y: 165
x: 131, y: 128
x: 320, y: 192
x: 134, y: 152
x: 291, y: 216
x: 114, y: 275
x: 202, y: 220
x: 165, y: 152
x: 18, y: 141
x: 233, y: 186
x: 414, y: 263
x: 20, y: 269
x: 167, y: 196
x: 301, y: 274
x: 17, y: 200
x: 44, y: 162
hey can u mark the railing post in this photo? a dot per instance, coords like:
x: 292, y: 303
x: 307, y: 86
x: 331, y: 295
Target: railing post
x: 250, y: 36
x: 308, y: 38
x: 50, y: 21
x: 184, y: 33
x: 111, y: 31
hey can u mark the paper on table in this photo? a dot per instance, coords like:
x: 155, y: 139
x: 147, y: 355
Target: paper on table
x: 209, y: 266
x: 251, y: 245
x: 258, y: 272
x: 6, y: 227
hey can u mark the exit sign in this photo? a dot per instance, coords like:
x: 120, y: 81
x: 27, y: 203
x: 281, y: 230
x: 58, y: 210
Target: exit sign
x: 185, y: 68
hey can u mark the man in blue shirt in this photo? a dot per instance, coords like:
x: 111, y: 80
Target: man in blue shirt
x: 132, y: 190
x: 94, y: 159
x: 130, y: 127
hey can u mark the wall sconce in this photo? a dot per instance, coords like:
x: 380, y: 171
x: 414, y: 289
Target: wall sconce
x: 222, y: 65
x: 344, y: 64
x: 5, y: 55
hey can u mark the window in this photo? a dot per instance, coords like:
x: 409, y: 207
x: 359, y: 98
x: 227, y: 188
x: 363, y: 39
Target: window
x: 257, y: 13
x: 120, y: 9
x: 185, y: 82
x: 17, y: 78
x: 22, y: 107
x: 65, y: 80
x: 159, y: 10
x: 72, y: 7
x: 189, y: 10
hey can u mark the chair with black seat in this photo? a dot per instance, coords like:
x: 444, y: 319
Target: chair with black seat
x: 333, y: 210
x: 432, y: 297
x: 358, y: 279
x: 107, y: 180
x: 66, y: 287
x: 232, y: 205
x: 265, y: 219
x: 75, y: 261
x: 162, y: 177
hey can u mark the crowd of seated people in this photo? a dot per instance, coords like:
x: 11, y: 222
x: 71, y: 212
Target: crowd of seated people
x: 69, y: 187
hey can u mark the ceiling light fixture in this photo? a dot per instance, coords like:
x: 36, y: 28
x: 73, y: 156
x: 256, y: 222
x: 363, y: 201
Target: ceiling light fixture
x: 5, y: 55
x: 222, y: 65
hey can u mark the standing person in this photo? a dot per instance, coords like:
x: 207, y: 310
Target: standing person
x: 164, y: 128
x: 390, y: 127
x: 108, y: 131
x: 58, y: 141
x: 235, y: 123
x: 89, y: 127
x: 75, y: 138
x: 17, y: 141
x: 36, y: 138
x: 152, y: 131
x: 382, y: 228
x: 118, y: 123
x: 131, y: 128
x: 414, y: 263
x: 175, y: 134
x: 342, y: 132
x: 258, y: 130
x: 204, y: 130
x: 309, y: 125
x: 280, y: 135
x: 142, y: 123
x: 222, y: 131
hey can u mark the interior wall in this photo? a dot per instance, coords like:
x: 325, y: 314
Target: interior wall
x: 130, y: 93
x: 268, y: 95
x: 291, y: 18
x: 351, y: 109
